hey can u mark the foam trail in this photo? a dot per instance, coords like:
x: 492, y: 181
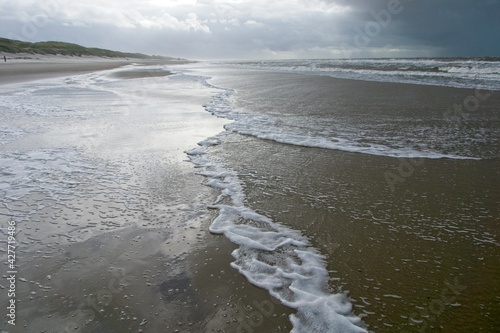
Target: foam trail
x: 264, y: 127
x: 458, y: 73
x: 272, y: 256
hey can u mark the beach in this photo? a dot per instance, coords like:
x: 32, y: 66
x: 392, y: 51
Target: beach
x: 28, y: 67
x: 395, y: 186
x: 157, y: 197
x: 111, y: 219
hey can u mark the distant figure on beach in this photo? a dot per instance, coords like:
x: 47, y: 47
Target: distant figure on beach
x: 5, y: 58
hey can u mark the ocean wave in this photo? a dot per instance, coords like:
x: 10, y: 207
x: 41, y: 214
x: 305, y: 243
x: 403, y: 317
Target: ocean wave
x: 459, y: 73
x: 273, y: 256
x: 264, y: 127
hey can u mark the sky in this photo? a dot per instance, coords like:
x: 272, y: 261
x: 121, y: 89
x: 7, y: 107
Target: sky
x: 262, y: 29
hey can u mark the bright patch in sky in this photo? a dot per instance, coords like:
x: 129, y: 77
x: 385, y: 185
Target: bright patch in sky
x: 262, y: 28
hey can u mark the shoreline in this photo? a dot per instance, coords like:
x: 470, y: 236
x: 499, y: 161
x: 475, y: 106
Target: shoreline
x: 377, y: 236
x: 120, y: 241
x: 26, y: 68
x: 157, y: 266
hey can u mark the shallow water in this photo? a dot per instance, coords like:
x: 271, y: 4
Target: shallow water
x: 385, y: 192
x: 402, y: 199
x: 106, y: 206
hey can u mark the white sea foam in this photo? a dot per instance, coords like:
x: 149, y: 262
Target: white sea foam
x: 272, y: 256
x: 45, y: 171
x: 264, y: 127
x: 460, y: 73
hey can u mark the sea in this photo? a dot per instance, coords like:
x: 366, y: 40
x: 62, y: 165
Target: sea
x: 363, y: 194
x: 372, y: 178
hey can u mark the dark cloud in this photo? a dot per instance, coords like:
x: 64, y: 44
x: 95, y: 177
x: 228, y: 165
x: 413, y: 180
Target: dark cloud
x: 448, y: 28
x: 259, y: 28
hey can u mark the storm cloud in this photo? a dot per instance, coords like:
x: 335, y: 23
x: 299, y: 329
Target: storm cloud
x: 217, y: 29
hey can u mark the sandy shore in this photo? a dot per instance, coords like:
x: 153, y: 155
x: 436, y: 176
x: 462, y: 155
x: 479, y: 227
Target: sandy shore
x: 417, y: 256
x: 112, y: 226
x: 112, y: 219
x: 22, y: 67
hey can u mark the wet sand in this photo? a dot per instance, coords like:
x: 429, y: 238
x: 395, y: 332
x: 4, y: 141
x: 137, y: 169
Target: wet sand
x: 400, y: 253
x: 121, y: 243
x: 142, y: 280
x: 137, y: 74
x: 419, y: 254
x: 42, y: 67
x: 112, y: 224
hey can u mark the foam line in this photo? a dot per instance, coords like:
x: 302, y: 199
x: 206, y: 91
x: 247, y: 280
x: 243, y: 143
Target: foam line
x: 458, y: 73
x: 263, y: 127
x: 273, y: 256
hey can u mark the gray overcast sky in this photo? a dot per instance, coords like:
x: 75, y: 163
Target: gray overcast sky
x: 222, y: 29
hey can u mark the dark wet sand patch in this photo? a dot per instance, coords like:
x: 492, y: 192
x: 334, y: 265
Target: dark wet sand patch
x: 412, y: 258
x: 139, y: 74
x: 137, y: 279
